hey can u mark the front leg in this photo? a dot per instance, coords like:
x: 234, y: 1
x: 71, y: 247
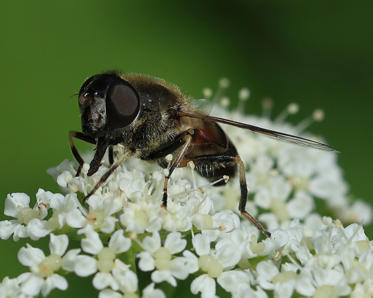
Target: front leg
x: 107, y: 174
x: 111, y: 155
x: 95, y: 164
x: 83, y: 137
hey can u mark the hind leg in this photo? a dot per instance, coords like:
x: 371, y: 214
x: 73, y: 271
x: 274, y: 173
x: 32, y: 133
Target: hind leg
x: 243, y: 200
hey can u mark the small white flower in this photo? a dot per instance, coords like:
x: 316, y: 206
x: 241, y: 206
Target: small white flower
x: 28, y: 221
x: 215, y: 262
x: 126, y: 279
x: 103, y: 259
x: 225, y: 221
x: 142, y: 216
x: 160, y: 258
x: 101, y: 211
x: 9, y: 288
x: 133, y: 184
x: 42, y: 278
x: 66, y: 211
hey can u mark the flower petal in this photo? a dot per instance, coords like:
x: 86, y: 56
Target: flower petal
x: 119, y: 243
x: 75, y: 219
x: 150, y: 292
x: 20, y: 231
x: 305, y: 284
x: 159, y: 276
x: 104, y: 280
x: 7, y: 228
x: 125, y: 277
x: 30, y: 256
x: 108, y: 293
x: 191, y: 261
x: 226, y: 220
x: 92, y: 243
x: 228, y: 253
x: 109, y: 224
x: 85, y: 265
x: 58, y: 244
x: 174, y: 242
x: 43, y: 199
x: 205, y: 285
x: 32, y: 285
x: 231, y: 280
x: 52, y: 282
x: 266, y: 271
x: 37, y: 229
x: 179, y: 268
x: 300, y: 206
x: 151, y: 244
x: 15, y: 201
x: 69, y: 259
x: 201, y: 244
x: 146, y: 262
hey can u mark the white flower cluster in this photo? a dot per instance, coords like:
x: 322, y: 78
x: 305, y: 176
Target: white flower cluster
x: 125, y: 234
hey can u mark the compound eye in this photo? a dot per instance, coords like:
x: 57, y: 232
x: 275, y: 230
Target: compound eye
x: 123, y: 104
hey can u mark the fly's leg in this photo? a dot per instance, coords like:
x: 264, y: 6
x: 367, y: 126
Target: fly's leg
x: 175, y: 163
x: 95, y: 164
x: 83, y: 137
x: 243, y: 200
x: 107, y: 175
x: 111, y: 155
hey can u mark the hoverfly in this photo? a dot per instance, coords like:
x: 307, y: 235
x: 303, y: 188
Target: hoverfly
x: 152, y: 118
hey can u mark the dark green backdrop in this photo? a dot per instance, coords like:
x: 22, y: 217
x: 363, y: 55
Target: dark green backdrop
x: 317, y: 53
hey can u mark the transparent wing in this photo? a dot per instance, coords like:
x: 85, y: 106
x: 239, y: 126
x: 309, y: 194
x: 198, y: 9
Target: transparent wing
x: 268, y: 132
x: 203, y: 106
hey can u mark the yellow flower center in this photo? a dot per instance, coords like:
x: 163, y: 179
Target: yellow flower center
x: 130, y: 295
x: 96, y: 219
x: 256, y: 247
x: 25, y: 214
x: 105, y: 259
x: 141, y: 218
x: 49, y: 265
x: 279, y: 209
x: 210, y: 265
x: 162, y: 258
x: 325, y: 292
x: 285, y: 276
x: 52, y: 223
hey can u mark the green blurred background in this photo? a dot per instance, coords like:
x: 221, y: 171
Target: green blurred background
x: 317, y: 53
